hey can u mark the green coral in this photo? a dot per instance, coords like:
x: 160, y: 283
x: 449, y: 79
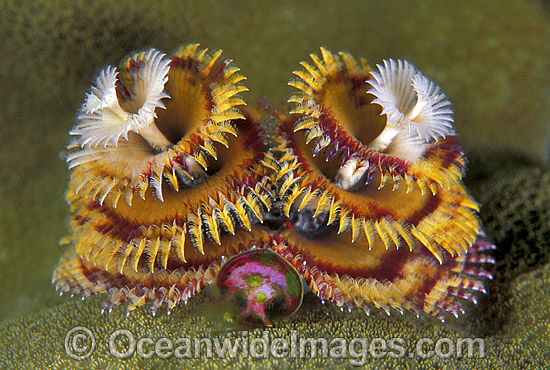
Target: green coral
x: 516, y: 208
x: 516, y: 214
x: 529, y: 322
x: 39, y: 341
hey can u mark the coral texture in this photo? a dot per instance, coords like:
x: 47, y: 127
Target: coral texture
x: 38, y: 341
x: 517, y: 211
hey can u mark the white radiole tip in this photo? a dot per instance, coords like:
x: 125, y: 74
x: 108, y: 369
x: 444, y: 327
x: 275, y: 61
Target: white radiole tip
x: 103, y: 121
x: 411, y: 102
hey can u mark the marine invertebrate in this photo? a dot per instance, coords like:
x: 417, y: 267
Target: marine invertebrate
x: 158, y: 145
x: 370, y: 179
x: 169, y: 178
x: 109, y: 114
x: 157, y: 195
x: 408, y: 98
x: 261, y: 284
x: 365, y: 119
x: 525, y: 312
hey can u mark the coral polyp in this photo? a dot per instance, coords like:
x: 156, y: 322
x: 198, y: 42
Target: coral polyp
x: 360, y: 185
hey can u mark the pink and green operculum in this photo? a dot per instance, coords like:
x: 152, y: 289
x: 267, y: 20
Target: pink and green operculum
x: 261, y: 286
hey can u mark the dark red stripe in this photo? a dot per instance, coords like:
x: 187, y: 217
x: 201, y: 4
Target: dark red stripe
x: 430, y: 206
